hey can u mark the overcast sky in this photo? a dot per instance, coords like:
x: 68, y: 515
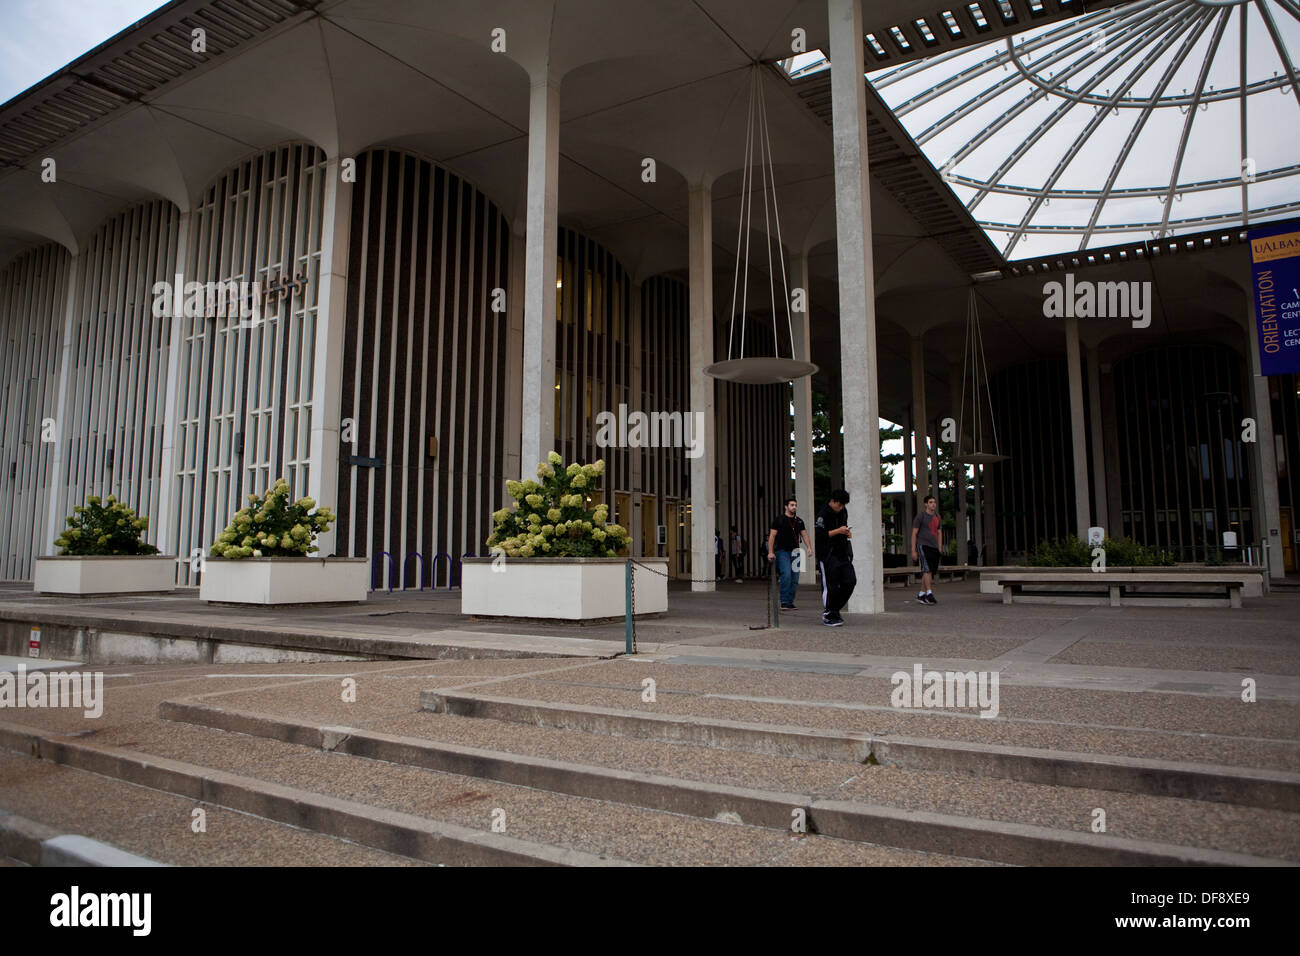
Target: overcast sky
x: 37, y: 37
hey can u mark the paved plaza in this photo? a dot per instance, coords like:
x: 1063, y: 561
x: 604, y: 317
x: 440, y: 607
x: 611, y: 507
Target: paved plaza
x: 478, y: 741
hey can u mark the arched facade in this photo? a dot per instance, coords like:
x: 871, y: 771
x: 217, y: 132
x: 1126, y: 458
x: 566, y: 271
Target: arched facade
x: 424, y: 371
x: 119, y: 361
x: 244, y: 385
x: 33, y: 304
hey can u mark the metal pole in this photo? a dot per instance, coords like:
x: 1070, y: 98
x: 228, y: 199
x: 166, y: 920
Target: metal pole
x: 774, y: 594
x: 627, y: 604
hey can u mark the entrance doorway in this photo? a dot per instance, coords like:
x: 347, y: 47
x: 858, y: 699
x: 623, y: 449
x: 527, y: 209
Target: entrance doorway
x: 623, y: 512
x: 649, y: 507
x: 672, y: 512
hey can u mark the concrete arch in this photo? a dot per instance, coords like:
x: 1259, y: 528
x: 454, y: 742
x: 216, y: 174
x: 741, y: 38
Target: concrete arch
x: 85, y: 237
x: 420, y: 156
x: 196, y: 197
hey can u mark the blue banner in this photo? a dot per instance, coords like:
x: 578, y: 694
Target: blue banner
x: 1275, y: 289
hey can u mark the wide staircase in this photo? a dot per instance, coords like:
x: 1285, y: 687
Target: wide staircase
x: 622, y: 762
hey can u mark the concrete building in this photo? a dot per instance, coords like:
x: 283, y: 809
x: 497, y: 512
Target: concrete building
x: 476, y: 226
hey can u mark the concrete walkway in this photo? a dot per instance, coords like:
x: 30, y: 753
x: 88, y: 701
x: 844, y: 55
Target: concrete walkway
x: 1135, y: 711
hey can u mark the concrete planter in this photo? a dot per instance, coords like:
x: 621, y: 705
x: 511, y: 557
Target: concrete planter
x: 105, y: 574
x: 284, y: 580
x: 562, y: 589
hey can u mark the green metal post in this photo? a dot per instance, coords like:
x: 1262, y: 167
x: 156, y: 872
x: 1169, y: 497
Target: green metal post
x: 774, y: 593
x: 627, y: 604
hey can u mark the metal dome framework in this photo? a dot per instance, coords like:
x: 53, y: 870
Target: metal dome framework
x: 1141, y: 121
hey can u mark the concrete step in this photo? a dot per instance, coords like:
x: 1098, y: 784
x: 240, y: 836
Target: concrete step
x: 1240, y: 786
x: 426, y: 815
x: 48, y: 806
x: 591, y: 766
x: 1174, y: 726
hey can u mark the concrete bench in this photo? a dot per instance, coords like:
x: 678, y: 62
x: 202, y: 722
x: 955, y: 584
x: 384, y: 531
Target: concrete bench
x: 1119, y: 588
x: 911, y: 575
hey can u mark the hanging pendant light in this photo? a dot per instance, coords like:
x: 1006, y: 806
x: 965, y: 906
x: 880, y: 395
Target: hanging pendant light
x: 739, y: 367
x: 974, y: 374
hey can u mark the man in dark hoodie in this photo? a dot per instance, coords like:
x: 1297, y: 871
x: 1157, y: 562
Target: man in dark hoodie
x: 835, y: 554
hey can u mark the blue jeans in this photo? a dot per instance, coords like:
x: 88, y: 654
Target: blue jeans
x: 788, y: 578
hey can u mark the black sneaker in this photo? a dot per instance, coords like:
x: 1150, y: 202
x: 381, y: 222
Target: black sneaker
x: 920, y: 599
x: 929, y: 598
x: 788, y: 607
x: 835, y: 621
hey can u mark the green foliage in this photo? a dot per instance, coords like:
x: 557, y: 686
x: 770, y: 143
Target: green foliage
x: 1072, y: 552
x: 1128, y: 553
x: 821, y: 428
x: 1067, y: 552
x: 271, y: 526
x: 551, y: 518
x: 104, y: 527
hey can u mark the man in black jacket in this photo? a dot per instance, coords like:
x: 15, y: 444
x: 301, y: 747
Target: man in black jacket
x: 835, y: 554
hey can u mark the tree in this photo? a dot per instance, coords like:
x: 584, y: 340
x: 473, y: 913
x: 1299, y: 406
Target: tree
x: 948, y: 469
x: 821, y: 427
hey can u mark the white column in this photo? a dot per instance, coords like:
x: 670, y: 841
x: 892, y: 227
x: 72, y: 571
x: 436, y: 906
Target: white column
x: 1079, y: 453
x: 1098, y: 442
x: 979, y: 512
x: 54, y: 523
x: 1268, y: 515
x: 539, y: 280
x: 163, y: 526
x: 331, y: 330
x: 990, y: 503
x: 514, y: 466
x: 703, y: 507
x: 633, y: 518
x: 909, y: 493
x: 803, y: 452
x: 724, y: 458
x: 920, y: 421
x: 959, y: 470
x: 857, y: 278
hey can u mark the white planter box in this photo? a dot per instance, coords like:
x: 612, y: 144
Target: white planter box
x: 105, y: 574
x: 284, y: 580
x: 565, y: 589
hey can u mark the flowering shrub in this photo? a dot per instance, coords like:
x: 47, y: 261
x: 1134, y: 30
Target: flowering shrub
x: 551, y: 518
x: 271, y: 527
x: 104, y: 527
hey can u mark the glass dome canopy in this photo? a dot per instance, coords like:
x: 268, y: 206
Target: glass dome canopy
x: 1141, y: 121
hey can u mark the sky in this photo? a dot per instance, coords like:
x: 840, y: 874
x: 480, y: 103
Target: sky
x: 37, y: 37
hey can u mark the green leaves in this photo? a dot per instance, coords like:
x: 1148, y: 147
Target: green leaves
x: 1071, y: 552
x: 103, y: 526
x: 272, y: 525
x: 551, y: 518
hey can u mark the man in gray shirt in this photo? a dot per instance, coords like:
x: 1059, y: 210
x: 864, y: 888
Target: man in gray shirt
x: 925, y: 539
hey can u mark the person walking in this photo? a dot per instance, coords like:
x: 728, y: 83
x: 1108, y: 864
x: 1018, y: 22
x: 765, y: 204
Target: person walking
x: 718, y: 555
x: 835, y: 555
x: 782, y: 539
x: 925, y: 543
x: 737, y: 547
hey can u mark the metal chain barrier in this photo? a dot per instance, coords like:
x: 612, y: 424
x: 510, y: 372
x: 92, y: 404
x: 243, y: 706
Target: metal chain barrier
x: 768, y: 601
